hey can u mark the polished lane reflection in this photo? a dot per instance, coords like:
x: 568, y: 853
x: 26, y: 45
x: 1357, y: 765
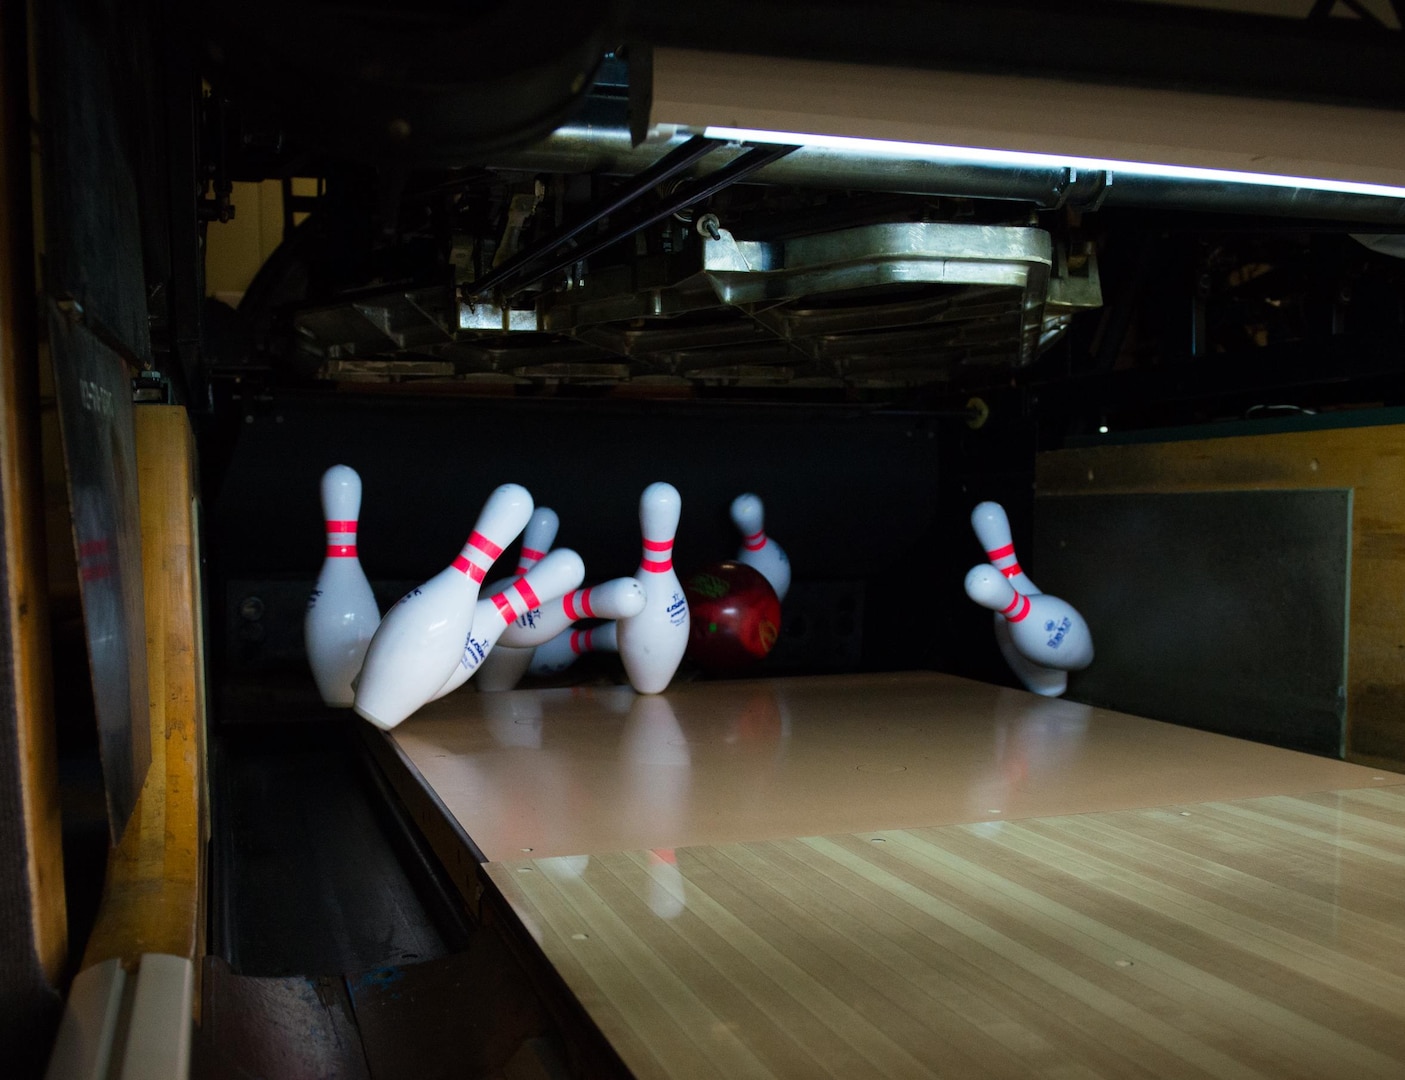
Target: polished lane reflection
x: 584, y: 770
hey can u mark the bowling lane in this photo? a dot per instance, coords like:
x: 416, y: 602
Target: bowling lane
x: 589, y: 770
x: 1229, y: 940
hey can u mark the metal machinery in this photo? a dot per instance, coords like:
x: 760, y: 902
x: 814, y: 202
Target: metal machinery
x: 492, y: 226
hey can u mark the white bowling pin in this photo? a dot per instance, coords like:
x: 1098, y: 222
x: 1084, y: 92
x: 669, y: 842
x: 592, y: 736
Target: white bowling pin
x: 503, y: 667
x: 992, y: 528
x: 421, y: 638
x: 341, y: 612
x: 616, y: 599
x: 652, y: 643
x: 570, y: 645
x: 537, y: 539
x: 557, y: 573
x: 1043, y: 628
x: 512, y: 659
x: 758, y: 550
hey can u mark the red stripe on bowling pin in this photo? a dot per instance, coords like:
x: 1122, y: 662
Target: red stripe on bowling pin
x: 528, y: 596
x: 995, y: 555
x: 756, y: 541
x: 504, y: 606
x: 581, y: 597
x: 580, y: 641
x: 657, y: 566
x: 341, y: 526
x: 341, y: 551
x: 1022, y: 603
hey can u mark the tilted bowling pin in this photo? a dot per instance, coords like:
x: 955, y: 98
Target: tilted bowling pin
x: 557, y: 573
x: 652, y: 643
x: 992, y: 528
x: 616, y: 599
x: 421, y: 638
x: 502, y: 668
x: 758, y: 550
x: 1043, y: 628
x: 341, y: 612
x: 537, y: 538
x: 570, y: 645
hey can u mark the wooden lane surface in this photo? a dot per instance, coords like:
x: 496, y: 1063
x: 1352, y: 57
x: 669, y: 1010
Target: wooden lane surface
x: 1248, y: 938
x: 565, y: 772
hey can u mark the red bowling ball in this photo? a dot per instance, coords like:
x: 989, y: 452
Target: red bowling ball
x: 735, y: 616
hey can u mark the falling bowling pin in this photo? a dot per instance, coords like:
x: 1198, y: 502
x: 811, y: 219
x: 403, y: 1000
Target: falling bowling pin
x: 341, y: 614
x: 503, y: 667
x: 1043, y: 628
x: 758, y: 550
x: 992, y: 529
x: 616, y: 599
x: 570, y: 645
x: 557, y: 573
x: 421, y: 638
x: 652, y: 643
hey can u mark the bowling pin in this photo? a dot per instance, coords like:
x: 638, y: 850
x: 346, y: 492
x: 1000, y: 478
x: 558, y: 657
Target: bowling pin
x: 652, y: 643
x: 758, y: 550
x: 616, y: 599
x: 512, y: 659
x: 557, y: 573
x: 503, y: 668
x: 992, y: 528
x: 421, y: 638
x: 341, y: 612
x: 570, y: 645
x: 1043, y: 628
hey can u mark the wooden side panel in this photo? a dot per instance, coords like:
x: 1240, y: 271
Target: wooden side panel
x: 27, y: 666
x: 154, y: 897
x: 1370, y: 460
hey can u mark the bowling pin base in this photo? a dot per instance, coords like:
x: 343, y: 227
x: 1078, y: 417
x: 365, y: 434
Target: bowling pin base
x: 382, y: 724
x: 1047, y: 682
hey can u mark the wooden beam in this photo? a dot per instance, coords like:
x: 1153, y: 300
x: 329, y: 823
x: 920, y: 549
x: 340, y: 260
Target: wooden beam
x: 30, y: 685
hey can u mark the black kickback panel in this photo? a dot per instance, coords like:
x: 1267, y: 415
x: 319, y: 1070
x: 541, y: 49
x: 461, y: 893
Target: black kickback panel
x: 314, y: 873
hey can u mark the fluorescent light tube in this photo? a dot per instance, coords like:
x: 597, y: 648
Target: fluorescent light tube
x: 968, y: 155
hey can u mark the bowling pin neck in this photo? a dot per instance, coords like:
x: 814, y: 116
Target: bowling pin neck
x: 514, y: 601
x: 1003, y: 559
x: 540, y: 534
x: 1017, y: 609
x: 341, y: 539
x: 756, y: 541
x: 477, y: 555
x: 657, y: 557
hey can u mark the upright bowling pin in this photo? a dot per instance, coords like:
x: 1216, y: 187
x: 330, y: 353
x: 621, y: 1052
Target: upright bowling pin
x: 652, y: 643
x: 570, y: 645
x: 992, y: 528
x: 557, y: 573
x: 758, y: 550
x: 422, y: 636
x: 341, y: 612
x: 503, y: 667
x: 1043, y: 628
